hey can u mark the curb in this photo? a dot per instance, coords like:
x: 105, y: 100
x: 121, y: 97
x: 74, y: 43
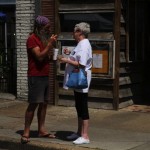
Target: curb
x: 14, y: 144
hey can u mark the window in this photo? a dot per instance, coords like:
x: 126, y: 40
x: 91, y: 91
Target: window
x: 98, y: 22
x: 100, y: 16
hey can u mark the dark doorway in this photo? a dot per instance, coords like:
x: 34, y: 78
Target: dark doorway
x: 139, y: 24
x: 8, y: 50
x: 146, y: 49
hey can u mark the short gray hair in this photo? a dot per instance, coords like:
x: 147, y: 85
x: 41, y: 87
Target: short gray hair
x: 83, y: 27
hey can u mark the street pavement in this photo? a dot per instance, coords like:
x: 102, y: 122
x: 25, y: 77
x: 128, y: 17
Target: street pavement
x: 125, y: 129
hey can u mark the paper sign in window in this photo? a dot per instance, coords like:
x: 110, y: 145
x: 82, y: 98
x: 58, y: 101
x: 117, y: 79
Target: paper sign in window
x: 97, y: 60
x: 100, y: 61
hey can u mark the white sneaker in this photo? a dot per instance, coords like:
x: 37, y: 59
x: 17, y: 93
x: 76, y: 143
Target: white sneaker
x: 81, y: 140
x: 73, y: 136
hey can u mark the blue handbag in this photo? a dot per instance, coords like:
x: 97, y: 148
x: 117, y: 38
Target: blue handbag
x: 77, y: 79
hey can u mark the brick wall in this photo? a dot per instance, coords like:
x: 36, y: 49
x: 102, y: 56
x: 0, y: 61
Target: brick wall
x: 25, y: 13
x: 47, y: 9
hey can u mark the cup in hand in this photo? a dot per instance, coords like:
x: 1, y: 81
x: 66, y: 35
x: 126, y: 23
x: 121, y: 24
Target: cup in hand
x: 55, y: 53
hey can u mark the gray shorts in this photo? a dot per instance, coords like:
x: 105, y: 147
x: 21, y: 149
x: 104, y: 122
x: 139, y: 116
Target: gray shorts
x: 38, y: 89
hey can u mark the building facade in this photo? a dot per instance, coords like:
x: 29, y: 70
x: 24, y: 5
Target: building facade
x: 120, y: 78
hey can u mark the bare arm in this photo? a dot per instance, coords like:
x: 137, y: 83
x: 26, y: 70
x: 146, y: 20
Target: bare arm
x: 72, y: 62
x: 40, y: 55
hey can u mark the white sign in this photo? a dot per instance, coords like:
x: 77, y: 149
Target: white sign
x: 97, y: 60
x: 66, y: 50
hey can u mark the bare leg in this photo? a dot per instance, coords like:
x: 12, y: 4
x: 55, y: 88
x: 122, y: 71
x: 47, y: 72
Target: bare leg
x: 85, y: 126
x: 84, y: 139
x: 41, y: 114
x: 28, y: 118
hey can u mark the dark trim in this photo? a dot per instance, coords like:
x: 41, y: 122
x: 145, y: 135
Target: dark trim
x: 37, y: 7
x: 117, y: 53
x: 8, y: 2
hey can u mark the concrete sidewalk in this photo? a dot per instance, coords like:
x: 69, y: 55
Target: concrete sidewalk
x: 109, y: 129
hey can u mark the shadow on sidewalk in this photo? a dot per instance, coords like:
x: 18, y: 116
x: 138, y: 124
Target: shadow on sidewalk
x: 33, y: 134
x: 59, y: 134
x: 63, y: 134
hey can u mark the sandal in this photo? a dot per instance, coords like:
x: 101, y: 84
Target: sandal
x: 48, y: 135
x: 25, y: 139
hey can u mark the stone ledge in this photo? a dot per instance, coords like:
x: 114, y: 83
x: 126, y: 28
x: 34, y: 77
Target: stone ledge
x: 7, y: 96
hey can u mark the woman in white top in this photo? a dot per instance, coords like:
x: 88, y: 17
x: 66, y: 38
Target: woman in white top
x: 80, y: 56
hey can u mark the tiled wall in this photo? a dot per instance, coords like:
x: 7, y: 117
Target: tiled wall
x: 25, y: 13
